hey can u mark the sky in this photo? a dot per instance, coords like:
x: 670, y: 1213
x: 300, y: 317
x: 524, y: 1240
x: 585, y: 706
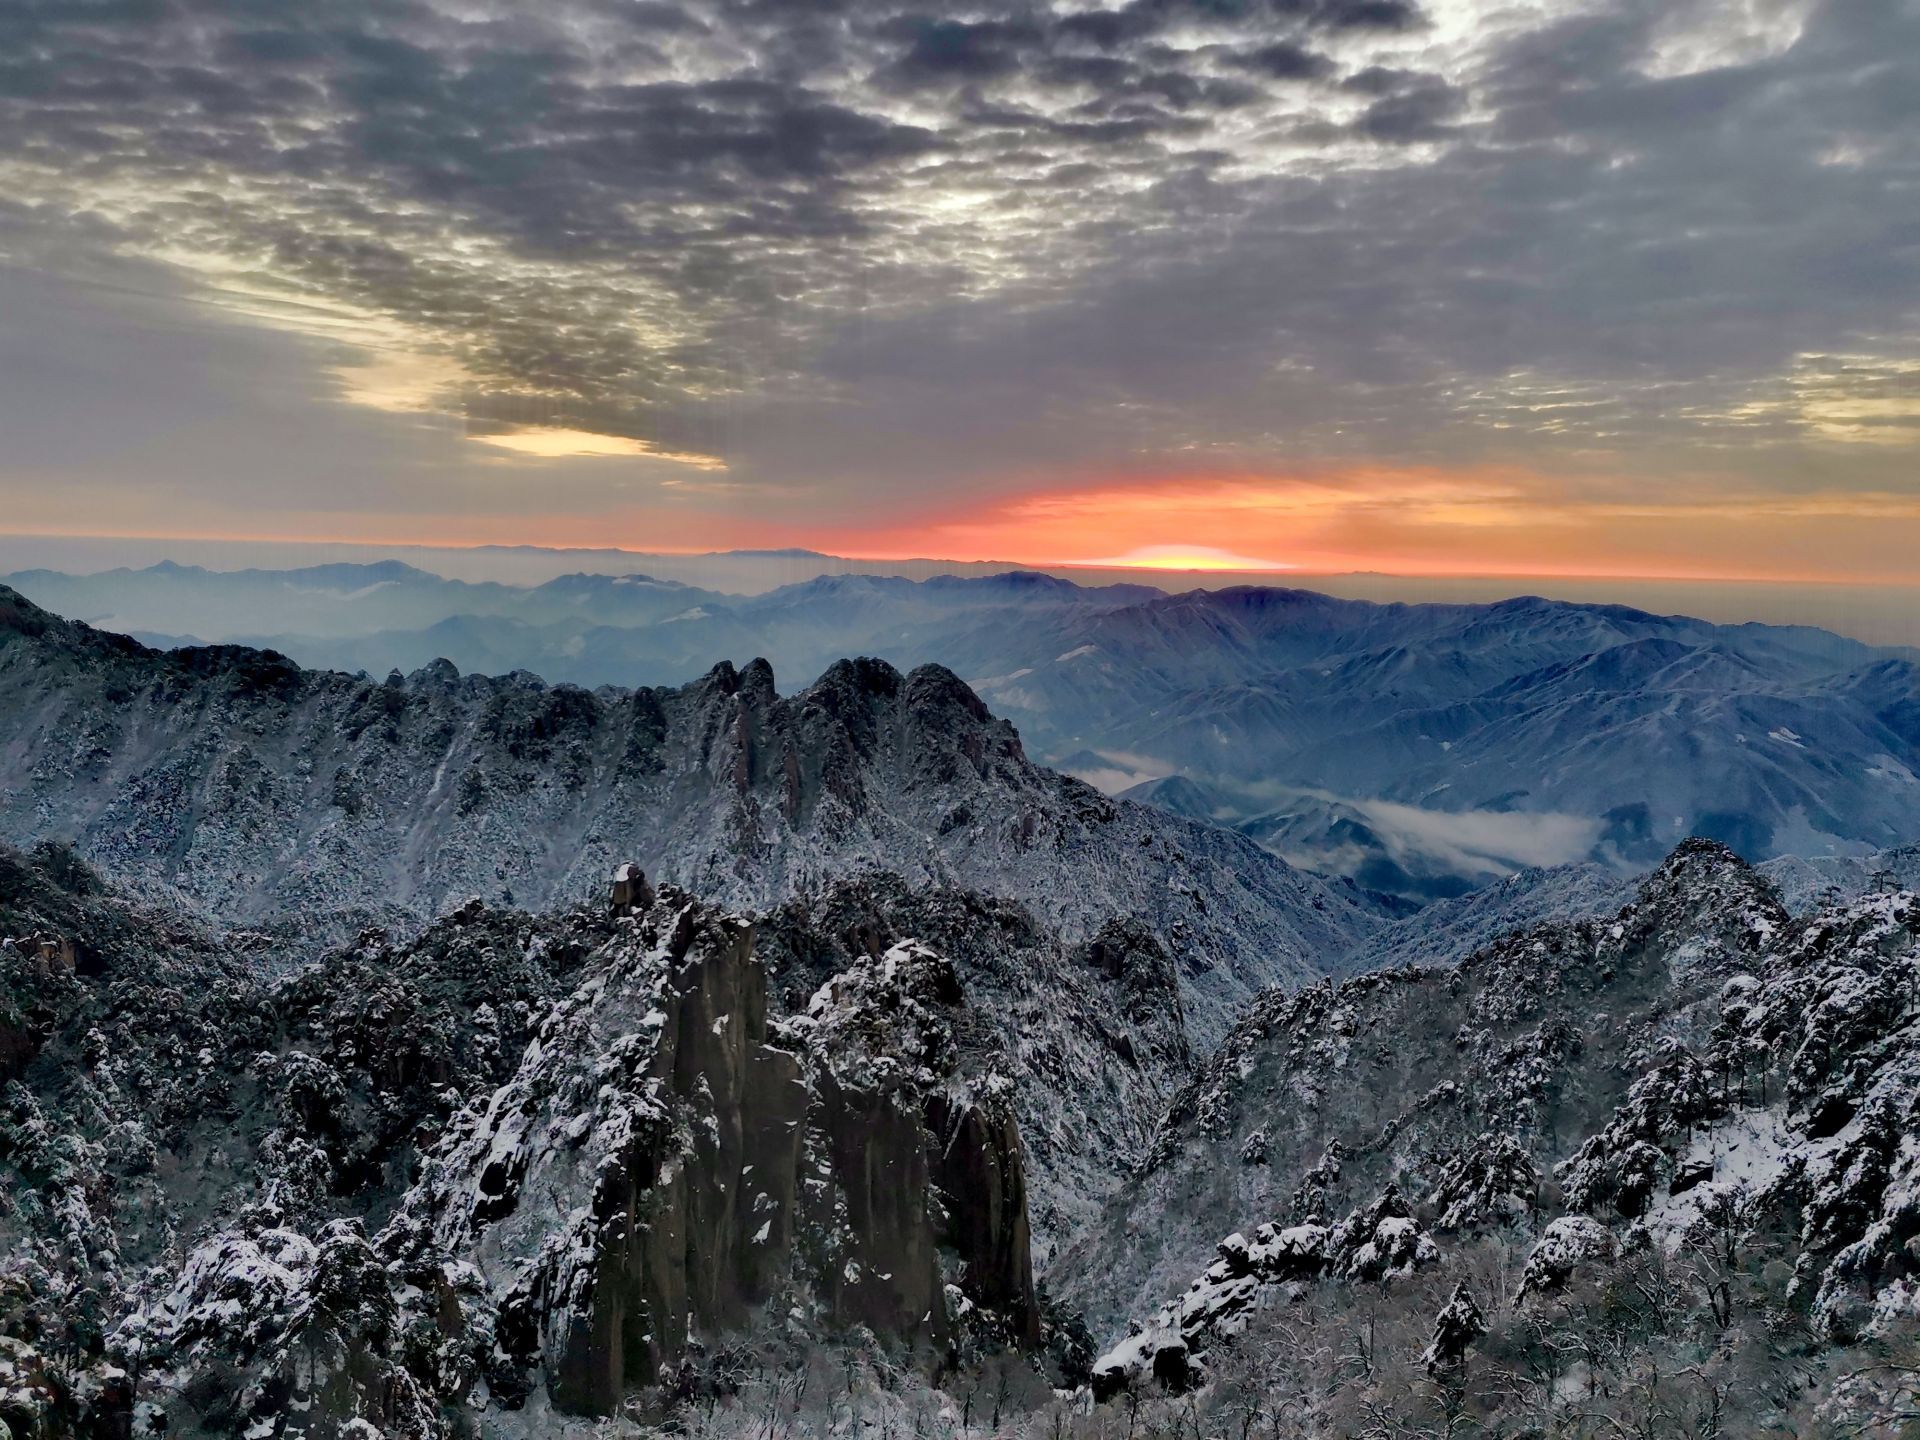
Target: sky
x: 1414, y: 286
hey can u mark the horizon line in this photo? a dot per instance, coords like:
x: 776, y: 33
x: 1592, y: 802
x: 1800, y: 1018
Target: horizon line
x: 1005, y: 564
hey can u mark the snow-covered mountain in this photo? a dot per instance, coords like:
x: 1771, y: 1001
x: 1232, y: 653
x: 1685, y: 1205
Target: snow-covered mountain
x: 340, y: 1094
x: 1420, y: 750
x: 510, y: 1168
x: 524, y: 1175
x: 1686, y: 1128
x: 255, y: 791
x: 871, y: 809
x: 1419, y: 747
x: 1804, y: 882
x: 1092, y: 1034
x: 1446, y: 932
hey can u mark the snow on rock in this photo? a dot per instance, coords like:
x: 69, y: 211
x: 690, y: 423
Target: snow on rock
x: 1567, y: 1244
x: 833, y: 1155
x: 1705, y: 1077
x: 257, y: 792
x: 511, y: 1162
x: 1378, y: 1243
x: 1090, y: 1036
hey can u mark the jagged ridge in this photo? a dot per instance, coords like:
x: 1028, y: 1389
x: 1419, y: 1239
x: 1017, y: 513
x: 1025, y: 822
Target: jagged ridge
x: 1703, y: 1100
x: 260, y: 793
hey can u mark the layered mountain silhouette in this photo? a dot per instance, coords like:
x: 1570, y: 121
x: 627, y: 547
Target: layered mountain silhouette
x: 1420, y: 750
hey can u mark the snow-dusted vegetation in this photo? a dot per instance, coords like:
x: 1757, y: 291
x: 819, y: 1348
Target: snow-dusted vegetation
x: 512, y: 1166
x: 1657, y: 1174
x: 910, y: 1130
x: 238, y: 785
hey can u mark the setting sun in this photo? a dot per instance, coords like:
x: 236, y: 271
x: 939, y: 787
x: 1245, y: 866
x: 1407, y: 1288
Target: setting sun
x: 1181, y: 557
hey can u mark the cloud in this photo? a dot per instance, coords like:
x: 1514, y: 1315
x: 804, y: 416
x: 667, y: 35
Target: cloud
x: 867, y: 254
x: 1417, y: 112
x: 1283, y: 60
x: 1114, y: 771
x: 956, y: 51
x: 1480, y: 842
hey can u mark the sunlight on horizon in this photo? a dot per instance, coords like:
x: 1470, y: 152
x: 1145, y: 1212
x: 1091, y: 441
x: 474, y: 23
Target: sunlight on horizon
x: 1181, y: 557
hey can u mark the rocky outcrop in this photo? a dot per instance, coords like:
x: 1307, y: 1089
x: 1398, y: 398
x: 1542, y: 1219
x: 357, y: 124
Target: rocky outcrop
x: 617, y: 1154
x: 1377, y: 1243
x: 885, y: 1051
x: 668, y: 1160
x: 630, y: 1175
x: 1705, y: 1102
x: 1090, y: 1035
x: 1408, y: 1072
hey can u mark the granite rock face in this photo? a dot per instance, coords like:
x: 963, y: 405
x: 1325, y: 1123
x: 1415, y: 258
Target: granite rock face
x: 512, y: 1162
x: 666, y: 1160
x: 1091, y: 1035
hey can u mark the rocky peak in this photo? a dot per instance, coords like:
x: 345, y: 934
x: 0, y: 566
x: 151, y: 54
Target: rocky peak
x: 857, y: 679
x: 933, y: 692
x: 24, y: 623
x: 259, y: 794
x: 619, y: 1151
x: 435, y: 675
x: 756, y: 683
x: 1090, y: 1034
x: 1703, y: 1090
x: 1703, y: 904
x: 833, y: 1160
x: 20, y: 616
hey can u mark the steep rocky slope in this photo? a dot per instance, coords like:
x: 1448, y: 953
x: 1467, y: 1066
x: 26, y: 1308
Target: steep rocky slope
x: 511, y: 1168
x: 1090, y: 1032
x: 256, y: 792
x: 1677, y: 1143
x: 1445, y: 932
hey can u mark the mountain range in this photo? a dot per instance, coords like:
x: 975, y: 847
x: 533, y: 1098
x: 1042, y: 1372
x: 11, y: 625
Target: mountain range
x: 516, y: 1174
x: 449, y: 1055
x: 1658, y: 1163
x: 1419, y: 750
x: 299, y: 808
x: 247, y: 788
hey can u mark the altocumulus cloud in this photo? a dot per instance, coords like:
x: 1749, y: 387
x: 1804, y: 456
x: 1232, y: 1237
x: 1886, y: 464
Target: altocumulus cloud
x: 833, y: 243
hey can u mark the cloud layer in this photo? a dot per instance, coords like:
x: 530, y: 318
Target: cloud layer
x: 800, y: 260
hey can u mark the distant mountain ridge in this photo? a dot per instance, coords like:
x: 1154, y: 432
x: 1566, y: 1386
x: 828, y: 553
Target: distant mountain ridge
x: 1417, y: 749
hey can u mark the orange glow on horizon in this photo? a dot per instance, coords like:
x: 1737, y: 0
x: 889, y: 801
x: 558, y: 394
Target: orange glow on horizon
x: 1432, y: 523
x: 1467, y: 522
x: 1185, y: 558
